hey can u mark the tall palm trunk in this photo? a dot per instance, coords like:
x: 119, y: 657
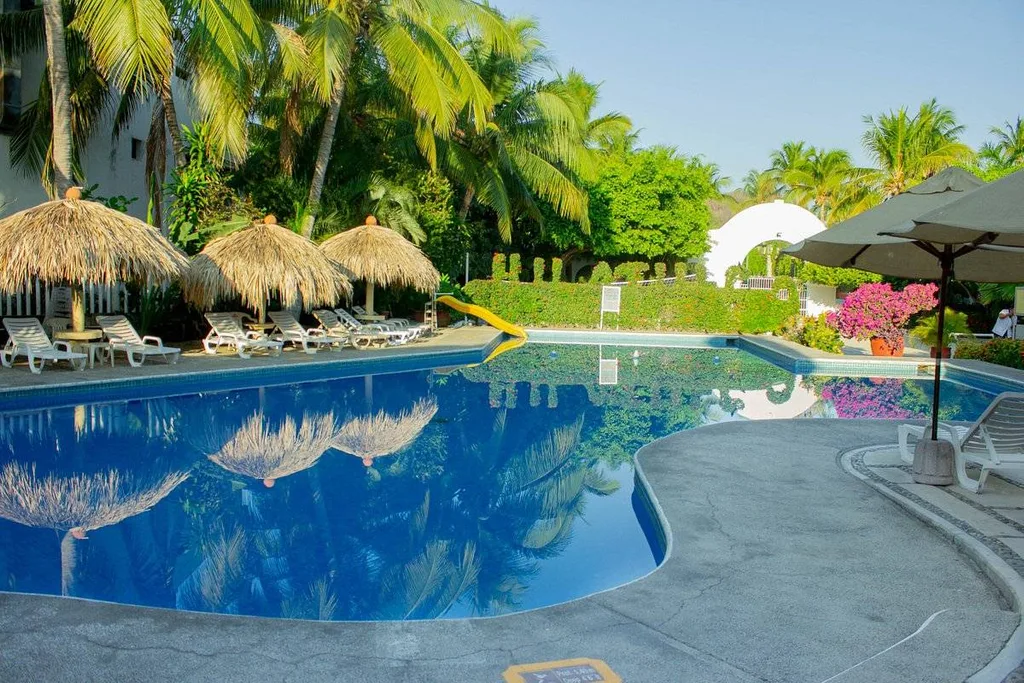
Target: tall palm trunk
x: 467, y: 201
x: 60, y: 89
x: 290, y: 129
x: 156, y: 165
x: 323, y: 158
x: 171, y: 115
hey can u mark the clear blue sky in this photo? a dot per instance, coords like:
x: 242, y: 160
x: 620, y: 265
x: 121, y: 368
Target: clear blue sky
x: 733, y: 79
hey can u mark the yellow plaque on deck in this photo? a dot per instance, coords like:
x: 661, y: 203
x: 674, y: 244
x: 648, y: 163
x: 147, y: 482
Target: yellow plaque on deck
x: 562, y: 671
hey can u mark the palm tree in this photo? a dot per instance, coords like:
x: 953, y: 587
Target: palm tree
x: 909, y: 148
x: 761, y: 187
x: 425, y: 70
x: 828, y: 184
x: 1008, y: 149
x: 60, y: 90
x: 541, y: 143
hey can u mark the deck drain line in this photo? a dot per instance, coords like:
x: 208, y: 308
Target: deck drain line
x: 921, y: 628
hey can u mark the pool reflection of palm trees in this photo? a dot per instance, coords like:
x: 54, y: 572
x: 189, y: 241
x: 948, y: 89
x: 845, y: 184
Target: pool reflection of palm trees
x: 268, y: 452
x: 77, y: 504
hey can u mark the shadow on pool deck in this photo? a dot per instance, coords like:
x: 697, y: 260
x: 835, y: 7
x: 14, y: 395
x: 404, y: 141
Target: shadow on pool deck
x: 783, y: 568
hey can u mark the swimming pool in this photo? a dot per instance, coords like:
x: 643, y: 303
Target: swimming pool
x: 448, y: 493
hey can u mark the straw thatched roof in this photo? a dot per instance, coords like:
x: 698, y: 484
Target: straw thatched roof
x: 80, y: 502
x: 379, y: 255
x: 260, y: 261
x: 262, y: 451
x: 71, y: 240
x: 382, y: 434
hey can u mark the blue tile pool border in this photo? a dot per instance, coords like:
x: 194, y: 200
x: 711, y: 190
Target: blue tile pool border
x: 15, y: 399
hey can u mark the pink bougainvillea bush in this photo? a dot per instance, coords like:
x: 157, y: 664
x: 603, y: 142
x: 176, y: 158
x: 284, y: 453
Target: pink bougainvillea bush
x: 876, y: 310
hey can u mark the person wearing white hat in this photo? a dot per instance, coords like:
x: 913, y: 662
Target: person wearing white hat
x: 1004, y: 324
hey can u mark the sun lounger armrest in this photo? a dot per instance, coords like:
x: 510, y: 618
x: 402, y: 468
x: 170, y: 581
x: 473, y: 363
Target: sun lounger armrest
x: 155, y: 340
x: 62, y: 345
x: 317, y: 332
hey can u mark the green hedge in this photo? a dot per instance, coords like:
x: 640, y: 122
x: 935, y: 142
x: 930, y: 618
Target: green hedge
x: 1008, y: 352
x: 688, y: 307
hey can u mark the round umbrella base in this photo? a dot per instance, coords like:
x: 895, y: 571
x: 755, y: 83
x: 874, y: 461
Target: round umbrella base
x: 933, y: 462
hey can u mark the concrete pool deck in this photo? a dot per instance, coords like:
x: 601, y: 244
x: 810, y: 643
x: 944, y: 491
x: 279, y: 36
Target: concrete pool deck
x: 782, y: 567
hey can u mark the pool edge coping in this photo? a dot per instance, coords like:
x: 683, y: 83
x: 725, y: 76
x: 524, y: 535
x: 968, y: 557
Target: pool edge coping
x: 1007, y: 581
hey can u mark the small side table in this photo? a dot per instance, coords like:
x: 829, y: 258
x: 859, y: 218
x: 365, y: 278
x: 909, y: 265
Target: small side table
x: 98, y: 350
x: 88, y: 342
x: 265, y: 328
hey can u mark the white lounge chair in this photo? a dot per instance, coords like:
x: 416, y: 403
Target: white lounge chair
x: 28, y: 338
x: 394, y: 336
x: 995, y: 441
x: 403, y: 324
x: 362, y: 339
x: 310, y: 340
x: 123, y: 337
x: 226, y: 330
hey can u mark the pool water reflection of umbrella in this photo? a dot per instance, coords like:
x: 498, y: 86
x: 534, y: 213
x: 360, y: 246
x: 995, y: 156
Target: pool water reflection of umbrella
x: 946, y: 225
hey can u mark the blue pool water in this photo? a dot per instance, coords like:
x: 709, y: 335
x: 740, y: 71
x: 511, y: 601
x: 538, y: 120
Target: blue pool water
x: 432, y: 494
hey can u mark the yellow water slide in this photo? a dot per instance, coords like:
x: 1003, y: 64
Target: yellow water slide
x: 485, y: 315
x: 518, y: 333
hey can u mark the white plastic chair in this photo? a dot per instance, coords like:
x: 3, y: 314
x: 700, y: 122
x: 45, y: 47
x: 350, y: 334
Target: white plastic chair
x: 359, y: 339
x: 123, y: 337
x: 995, y: 441
x: 394, y: 336
x: 401, y: 324
x: 28, y: 338
x: 226, y: 330
x: 310, y: 340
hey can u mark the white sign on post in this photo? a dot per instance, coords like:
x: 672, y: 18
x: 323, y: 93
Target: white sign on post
x: 611, y: 302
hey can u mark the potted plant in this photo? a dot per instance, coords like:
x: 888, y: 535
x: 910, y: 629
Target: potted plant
x: 928, y: 330
x: 876, y: 312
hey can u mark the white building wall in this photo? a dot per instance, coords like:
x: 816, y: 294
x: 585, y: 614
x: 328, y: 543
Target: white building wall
x: 105, y: 163
x: 820, y: 299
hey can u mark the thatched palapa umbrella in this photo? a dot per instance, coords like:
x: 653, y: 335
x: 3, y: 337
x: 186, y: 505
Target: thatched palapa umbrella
x: 382, y: 434
x: 77, y: 504
x: 262, y: 451
x: 69, y: 241
x: 260, y: 261
x: 381, y: 256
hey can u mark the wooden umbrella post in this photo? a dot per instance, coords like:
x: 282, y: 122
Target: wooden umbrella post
x: 77, y: 308
x: 369, y: 298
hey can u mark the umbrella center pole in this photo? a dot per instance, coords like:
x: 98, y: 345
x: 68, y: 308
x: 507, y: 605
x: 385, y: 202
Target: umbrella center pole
x: 369, y: 298
x: 77, y: 308
x: 947, y: 269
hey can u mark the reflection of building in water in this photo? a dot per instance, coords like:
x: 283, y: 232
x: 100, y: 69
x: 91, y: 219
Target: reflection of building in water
x: 383, y: 434
x: 783, y: 401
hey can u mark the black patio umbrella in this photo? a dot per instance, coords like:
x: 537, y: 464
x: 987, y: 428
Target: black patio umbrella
x: 913, y: 235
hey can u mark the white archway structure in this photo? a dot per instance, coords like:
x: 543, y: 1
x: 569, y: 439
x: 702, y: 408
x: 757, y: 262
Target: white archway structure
x: 773, y: 221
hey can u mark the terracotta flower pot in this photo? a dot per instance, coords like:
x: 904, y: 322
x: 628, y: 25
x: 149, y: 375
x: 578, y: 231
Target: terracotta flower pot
x: 879, y: 347
x: 945, y: 352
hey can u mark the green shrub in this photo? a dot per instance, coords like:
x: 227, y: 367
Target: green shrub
x: 515, y: 268
x: 818, y: 334
x: 498, y: 272
x: 695, y: 307
x: 602, y: 273
x: 698, y: 269
x: 556, y: 270
x: 1007, y: 352
x: 927, y: 331
x: 660, y: 271
x: 538, y: 269
x: 630, y: 271
x: 734, y: 274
